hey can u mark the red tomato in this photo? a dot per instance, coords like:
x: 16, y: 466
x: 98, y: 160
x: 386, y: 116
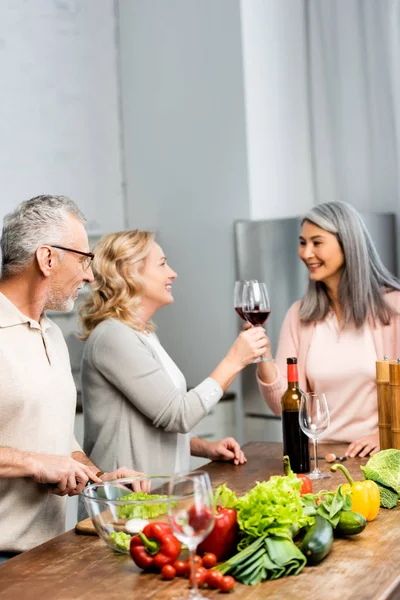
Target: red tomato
x: 200, y: 575
x: 209, y: 560
x: 198, y: 562
x: 227, y: 584
x: 168, y: 572
x: 180, y: 567
x: 214, y: 579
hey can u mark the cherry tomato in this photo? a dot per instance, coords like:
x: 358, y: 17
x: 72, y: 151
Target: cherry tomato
x: 180, y: 567
x: 227, y: 584
x: 168, y: 572
x: 200, y: 575
x: 198, y: 562
x: 209, y: 560
x: 214, y: 579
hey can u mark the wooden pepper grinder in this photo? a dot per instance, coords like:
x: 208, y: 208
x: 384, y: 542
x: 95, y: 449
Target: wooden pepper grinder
x: 394, y: 378
x: 384, y: 403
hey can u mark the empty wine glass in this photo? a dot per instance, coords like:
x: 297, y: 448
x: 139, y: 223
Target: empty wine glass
x: 256, y: 307
x: 191, y: 515
x: 314, y: 420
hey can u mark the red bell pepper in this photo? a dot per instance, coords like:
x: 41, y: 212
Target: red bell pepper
x: 222, y: 540
x: 155, y: 546
x: 306, y: 483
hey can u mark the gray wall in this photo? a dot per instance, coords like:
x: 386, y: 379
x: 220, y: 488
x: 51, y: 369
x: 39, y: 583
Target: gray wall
x: 185, y: 160
x: 59, y: 126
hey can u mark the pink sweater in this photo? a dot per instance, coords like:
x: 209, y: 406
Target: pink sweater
x: 295, y: 339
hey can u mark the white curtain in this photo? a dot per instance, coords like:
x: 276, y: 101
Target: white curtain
x: 353, y: 58
x: 322, y: 101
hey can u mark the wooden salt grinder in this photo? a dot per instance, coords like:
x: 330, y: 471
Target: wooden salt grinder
x: 384, y: 403
x: 394, y: 378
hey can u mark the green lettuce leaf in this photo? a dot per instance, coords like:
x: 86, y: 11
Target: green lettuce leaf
x: 121, y: 540
x: 225, y: 497
x: 142, y: 510
x: 272, y: 507
x: 384, y: 468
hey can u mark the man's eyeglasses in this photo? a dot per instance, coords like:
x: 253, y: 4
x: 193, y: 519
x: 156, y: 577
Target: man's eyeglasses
x: 86, y: 262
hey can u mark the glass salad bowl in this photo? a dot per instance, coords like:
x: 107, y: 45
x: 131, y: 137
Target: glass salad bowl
x: 120, y: 509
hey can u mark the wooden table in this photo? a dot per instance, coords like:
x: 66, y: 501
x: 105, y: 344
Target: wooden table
x: 72, y: 567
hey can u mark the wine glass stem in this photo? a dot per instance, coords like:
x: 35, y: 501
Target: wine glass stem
x: 316, y: 454
x: 193, y: 570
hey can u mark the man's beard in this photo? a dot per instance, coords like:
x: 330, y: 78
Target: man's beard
x: 58, y: 301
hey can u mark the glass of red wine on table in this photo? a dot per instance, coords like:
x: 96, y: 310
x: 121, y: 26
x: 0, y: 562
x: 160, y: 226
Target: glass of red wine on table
x: 252, y: 304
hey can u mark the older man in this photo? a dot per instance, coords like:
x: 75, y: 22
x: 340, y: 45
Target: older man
x: 45, y: 261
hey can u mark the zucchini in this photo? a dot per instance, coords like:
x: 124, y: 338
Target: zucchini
x: 350, y: 523
x: 318, y: 541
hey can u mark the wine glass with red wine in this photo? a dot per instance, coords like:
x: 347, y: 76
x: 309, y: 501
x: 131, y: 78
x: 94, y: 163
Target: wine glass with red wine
x: 256, y: 307
x: 238, y: 298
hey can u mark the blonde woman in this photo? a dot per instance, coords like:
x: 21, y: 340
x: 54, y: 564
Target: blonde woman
x: 136, y: 405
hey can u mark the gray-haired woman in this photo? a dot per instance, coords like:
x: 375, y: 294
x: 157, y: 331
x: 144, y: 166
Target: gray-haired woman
x: 348, y: 319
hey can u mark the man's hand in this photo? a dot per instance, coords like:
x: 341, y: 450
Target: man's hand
x: 65, y: 474
x: 125, y: 473
x: 227, y: 449
x: 369, y: 444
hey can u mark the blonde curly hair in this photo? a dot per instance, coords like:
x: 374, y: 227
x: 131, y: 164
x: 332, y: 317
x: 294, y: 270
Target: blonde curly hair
x: 118, y: 285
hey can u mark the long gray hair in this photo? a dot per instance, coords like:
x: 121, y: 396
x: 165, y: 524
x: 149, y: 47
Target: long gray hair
x: 40, y: 220
x: 364, y: 278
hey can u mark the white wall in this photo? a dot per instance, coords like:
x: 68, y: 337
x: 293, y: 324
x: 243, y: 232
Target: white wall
x: 185, y: 160
x: 59, y: 122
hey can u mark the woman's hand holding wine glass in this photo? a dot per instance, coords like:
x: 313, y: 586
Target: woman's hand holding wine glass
x: 191, y: 515
x: 252, y: 304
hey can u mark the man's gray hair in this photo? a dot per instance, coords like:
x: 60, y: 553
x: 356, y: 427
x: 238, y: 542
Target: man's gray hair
x: 364, y: 278
x: 40, y: 220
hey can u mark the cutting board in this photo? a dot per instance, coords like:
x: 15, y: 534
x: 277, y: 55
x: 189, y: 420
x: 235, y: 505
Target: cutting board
x: 85, y: 527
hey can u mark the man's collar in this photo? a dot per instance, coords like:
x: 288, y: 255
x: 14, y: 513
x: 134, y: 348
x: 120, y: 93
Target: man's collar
x: 10, y: 316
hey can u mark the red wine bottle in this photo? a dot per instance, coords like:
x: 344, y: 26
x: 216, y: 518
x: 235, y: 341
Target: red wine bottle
x: 295, y: 441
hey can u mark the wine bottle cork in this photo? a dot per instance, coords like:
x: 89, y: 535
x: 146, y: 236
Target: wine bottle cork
x: 384, y: 403
x: 394, y: 380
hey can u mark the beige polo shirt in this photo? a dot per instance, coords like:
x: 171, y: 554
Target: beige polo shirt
x: 38, y: 399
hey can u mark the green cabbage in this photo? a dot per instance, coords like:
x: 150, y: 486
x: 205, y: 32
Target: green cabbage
x: 389, y: 498
x: 384, y: 469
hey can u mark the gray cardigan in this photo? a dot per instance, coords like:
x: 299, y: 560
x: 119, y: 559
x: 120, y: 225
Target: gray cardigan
x: 132, y: 410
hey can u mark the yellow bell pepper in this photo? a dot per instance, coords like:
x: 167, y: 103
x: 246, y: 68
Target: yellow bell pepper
x: 365, y: 495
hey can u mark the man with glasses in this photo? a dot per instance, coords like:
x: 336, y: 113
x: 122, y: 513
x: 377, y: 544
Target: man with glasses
x: 45, y: 262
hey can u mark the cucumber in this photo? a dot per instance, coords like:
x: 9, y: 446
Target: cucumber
x: 318, y: 541
x: 350, y: 523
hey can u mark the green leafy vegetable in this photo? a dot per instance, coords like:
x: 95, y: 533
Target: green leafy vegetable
x: 389, y: 498
x: 272, y: 507
x: 121, y: 540
x: 384, y: 469
x: 225, y: 497
x: 268, y: 557
x: 142, y: 510
x: 328, y: 505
